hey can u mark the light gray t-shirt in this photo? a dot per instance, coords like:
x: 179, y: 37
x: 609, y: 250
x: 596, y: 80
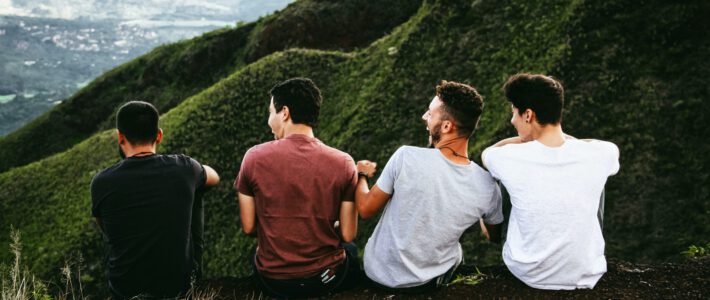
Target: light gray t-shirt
x: 554, y: 238
x: 433, y: 201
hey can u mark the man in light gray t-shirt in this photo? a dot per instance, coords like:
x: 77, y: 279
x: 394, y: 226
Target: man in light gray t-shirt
x: 430, y: 197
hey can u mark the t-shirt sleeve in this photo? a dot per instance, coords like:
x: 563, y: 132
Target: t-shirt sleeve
x: 613, y: 159
x: 199, y: 172
x: 95, y: 198
x: 494, y: 215
x: 243, y: 182
x: 390, y: 172
x: 350, y: 181
x: 489, y: 157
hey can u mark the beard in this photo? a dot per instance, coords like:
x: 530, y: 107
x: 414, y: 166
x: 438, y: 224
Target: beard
x: 434, y: 135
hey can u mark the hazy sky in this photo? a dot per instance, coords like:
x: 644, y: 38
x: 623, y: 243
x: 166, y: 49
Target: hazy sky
x: 228, y: 10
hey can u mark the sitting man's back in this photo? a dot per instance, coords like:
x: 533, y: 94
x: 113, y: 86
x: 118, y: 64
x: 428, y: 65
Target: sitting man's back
x: 555, y: 182
x: 146, y: 207
x: 429, y: 198
x: 299, y: 183
x: 292, y: 192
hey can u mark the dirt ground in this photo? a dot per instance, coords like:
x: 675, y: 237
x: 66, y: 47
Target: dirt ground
x: 688, y: 280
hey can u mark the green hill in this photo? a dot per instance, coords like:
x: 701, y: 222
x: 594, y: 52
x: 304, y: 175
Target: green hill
x: 635, y: 75
x: 172, y: 73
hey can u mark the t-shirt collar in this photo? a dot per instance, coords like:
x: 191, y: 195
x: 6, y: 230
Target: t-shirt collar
x: 303, y: 137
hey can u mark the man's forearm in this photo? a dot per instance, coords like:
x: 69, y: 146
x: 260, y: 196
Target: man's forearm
x: 361, y: 193
x: 512, y: 140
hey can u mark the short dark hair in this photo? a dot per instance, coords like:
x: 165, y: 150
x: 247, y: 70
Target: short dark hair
x: 462, y: 103
x: 302, y: 97
x: 539, y: 93
x: 138, y: 121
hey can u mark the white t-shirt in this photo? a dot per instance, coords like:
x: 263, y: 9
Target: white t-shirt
x: 433, y: 202
x: 554, y: 238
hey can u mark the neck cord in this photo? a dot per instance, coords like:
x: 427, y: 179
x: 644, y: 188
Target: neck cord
x: 452, y: 150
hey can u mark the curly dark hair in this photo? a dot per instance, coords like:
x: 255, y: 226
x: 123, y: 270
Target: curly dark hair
x: 462, y: 104
x: 542, y: 94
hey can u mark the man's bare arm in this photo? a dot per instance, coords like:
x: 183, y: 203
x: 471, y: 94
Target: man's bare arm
x: 247, y: 213
x: 348, y: 221
x: 212, y: 176
x: 368, y: 202
x: 511, y: 140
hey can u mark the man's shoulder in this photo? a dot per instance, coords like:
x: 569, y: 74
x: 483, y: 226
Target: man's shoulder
x: 507, y: 150
x: 262, y: 149
x: 106, y: 173
x: 597, y: 146
x: 409, y: 151
x: 336, y: 153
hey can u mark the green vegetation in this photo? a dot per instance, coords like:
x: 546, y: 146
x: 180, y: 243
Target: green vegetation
x: 17, y: 283
x: 469, y: 279
x: 697, y: 251
x: 170, y: 74
x: 634, y: 75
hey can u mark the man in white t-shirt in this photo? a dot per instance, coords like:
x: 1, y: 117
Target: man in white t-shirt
x: 430, y: 197
x: 555, y: 181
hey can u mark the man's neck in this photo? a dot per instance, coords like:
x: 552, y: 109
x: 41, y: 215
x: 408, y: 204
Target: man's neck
x: 298, y: 129
x: 140, y: 150
x: 549, y: 135
x: 454, y: 149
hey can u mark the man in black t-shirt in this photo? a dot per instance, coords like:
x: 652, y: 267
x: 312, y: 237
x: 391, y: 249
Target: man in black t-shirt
x: 147, y: 208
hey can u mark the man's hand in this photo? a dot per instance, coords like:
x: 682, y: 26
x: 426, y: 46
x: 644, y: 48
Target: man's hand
x: 367, y: 167
x: 492, y: 232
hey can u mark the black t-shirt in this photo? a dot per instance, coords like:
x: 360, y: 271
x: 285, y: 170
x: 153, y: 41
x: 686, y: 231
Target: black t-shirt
x: 146, y: 207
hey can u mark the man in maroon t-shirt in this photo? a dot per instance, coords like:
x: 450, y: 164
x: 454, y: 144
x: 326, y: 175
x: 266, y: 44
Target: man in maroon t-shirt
x: 297, y: 194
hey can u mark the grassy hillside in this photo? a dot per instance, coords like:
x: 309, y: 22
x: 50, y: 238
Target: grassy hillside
x: 170, y: 74
x: 638, y: 85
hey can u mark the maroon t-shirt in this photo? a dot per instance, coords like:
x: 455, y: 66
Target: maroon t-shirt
x: 297, y: 183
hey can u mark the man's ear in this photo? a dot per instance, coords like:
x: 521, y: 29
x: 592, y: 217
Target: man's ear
x: 529, y: 116
x: 159, y: 137
x: 286, y: 114
x: 121, y: 138
x: 447, y: 126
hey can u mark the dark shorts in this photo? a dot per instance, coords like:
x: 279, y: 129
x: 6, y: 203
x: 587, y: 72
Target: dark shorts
x: 339, y: 278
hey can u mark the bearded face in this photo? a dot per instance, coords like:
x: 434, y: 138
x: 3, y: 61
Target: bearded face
x: 435, y: 134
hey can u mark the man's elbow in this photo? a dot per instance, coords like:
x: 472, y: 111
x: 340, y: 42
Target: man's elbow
x: 248, y: 229
x: 212, y: 176
x: 365, y: 213
x: 348, y: 236
x: 212, y: 180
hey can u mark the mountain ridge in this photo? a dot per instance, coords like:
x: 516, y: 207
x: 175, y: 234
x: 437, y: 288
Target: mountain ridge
x: 375, y: 95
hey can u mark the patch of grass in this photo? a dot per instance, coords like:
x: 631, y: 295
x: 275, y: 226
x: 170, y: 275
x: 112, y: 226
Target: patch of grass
x: 697, y: 251
x: 17, y: 283
x: 469, y: 279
